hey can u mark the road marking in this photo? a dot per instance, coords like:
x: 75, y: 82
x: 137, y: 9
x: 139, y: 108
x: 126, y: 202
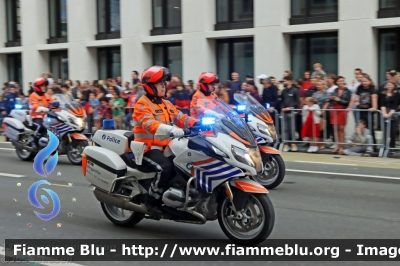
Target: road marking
x: 342, y: 174
x: 325, y: 163
x: 59, y: 185
x: 39, y: 263
x: 7, y: 149
x: 11, y: 175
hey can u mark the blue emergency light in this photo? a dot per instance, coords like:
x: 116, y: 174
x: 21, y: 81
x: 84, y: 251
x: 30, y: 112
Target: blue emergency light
x: 208, y: 121
x: 249, y: 117
x: 108, y: 124
x: 241, y: 107
x: 18, y: 106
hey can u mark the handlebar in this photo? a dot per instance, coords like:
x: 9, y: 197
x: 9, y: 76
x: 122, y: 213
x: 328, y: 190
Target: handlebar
x: 188, y: 132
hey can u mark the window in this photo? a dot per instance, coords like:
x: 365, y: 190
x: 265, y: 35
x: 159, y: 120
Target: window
x: 109, y: 62
x: 167, y: 17
x: 234, y: 14
x: 59, y: 64
x: 308, y: 49
x: 58, y: 21
x: 14, y: 64
x: 108, y: 19
x: 389, y: 51
x: 168, y: 55
x: 235, y: 55
x: 389, y: 8
x: 314, y: 11
x: 13, y: 14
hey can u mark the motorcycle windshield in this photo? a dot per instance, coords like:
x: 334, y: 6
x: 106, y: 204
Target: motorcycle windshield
x: 226, y: 120
x: 253, y: 106
x: 74, y: 108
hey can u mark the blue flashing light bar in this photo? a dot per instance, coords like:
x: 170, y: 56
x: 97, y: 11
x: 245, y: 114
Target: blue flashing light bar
x: 241, y: 107
x: 108, y: 124
x: 207, y: 121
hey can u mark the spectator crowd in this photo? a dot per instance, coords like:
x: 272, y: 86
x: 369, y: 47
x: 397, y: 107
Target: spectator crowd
x: 315, y: 107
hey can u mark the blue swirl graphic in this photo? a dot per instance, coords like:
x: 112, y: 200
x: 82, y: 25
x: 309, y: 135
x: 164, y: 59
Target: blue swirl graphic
x: 34, y: 201
x: 40, y: 158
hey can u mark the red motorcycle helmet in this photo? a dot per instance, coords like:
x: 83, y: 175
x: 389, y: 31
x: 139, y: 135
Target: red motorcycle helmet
x: 153, y: 75
x: 38, y: 83
x: 207, y: 78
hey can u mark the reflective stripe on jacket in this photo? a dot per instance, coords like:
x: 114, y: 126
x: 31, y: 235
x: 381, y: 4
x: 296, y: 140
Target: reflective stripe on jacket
x: 36, y: 101
x: 148, y: 116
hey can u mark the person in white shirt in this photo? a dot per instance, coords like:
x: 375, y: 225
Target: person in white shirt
x: 311, y: 123
x: 330, y: 82
x: 356, y: 82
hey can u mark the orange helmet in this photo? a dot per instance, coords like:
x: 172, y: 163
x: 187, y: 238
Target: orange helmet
x: 153, y: 75
x: 205, y: 79
x: 40, y: 82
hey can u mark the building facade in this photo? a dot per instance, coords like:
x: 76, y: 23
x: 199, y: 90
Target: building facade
x: 97, y: 39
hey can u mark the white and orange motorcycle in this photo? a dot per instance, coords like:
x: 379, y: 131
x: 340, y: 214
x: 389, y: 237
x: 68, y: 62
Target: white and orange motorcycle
x: 67, y: 120
x: 261, y: 124
x: 212, y: 164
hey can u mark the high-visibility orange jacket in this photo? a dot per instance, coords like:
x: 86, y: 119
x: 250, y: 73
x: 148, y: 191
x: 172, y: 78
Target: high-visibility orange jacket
x: 200, y: 99
x: 36, y: 101
x: 148, y: 116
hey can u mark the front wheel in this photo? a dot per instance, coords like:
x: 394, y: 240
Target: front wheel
x: 74, y: 151
x: 120, y: 216
x: 273, y: 171
x: 254, y: 223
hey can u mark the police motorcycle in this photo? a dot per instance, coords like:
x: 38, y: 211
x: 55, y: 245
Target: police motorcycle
x: 65, y: 119
x: 213, y: 164
x: 262, y: 126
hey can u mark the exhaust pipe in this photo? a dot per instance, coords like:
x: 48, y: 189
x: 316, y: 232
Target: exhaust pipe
x: 120, y: 203
x: 19, y: 145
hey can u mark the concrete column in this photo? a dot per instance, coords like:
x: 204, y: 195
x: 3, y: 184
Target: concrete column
x: 82, y: 27
x: 35, y: 30
x: 358, y: 44
x: 3, y: 68
x: 136, y: 21
x: 3, y: 23
x: 199, y: 53
x: 271, y: 47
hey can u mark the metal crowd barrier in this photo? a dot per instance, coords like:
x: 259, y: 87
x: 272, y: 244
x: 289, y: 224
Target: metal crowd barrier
x: 388, y: 127
x: 290, y: 117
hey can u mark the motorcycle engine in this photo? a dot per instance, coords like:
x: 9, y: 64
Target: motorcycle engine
x: 174, y: 198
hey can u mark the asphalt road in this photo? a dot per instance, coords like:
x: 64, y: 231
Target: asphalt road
x: 307, y: 206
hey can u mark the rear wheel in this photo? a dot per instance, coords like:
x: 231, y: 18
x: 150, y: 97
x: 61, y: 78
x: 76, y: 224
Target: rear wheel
x: 75, y: 149
x: 120, y: 216
x: 23, y: 154
x: 254, y: 223
x: 273, y: 171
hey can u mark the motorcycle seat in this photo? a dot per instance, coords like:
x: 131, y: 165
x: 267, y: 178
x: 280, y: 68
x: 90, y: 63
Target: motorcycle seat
x: 130, y: 137
x: 33, y: 127
x: 129, y: 160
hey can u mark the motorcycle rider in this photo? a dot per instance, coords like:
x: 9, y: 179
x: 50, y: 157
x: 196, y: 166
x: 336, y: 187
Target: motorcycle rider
x: 39, y: 98
x: 205, y: 94
x: 154, y: 118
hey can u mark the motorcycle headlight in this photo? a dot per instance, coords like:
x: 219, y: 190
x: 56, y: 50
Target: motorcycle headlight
x: 81, y: 122
x: 219, y: 152
x: 263, y: 129
x: 242, y: 156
